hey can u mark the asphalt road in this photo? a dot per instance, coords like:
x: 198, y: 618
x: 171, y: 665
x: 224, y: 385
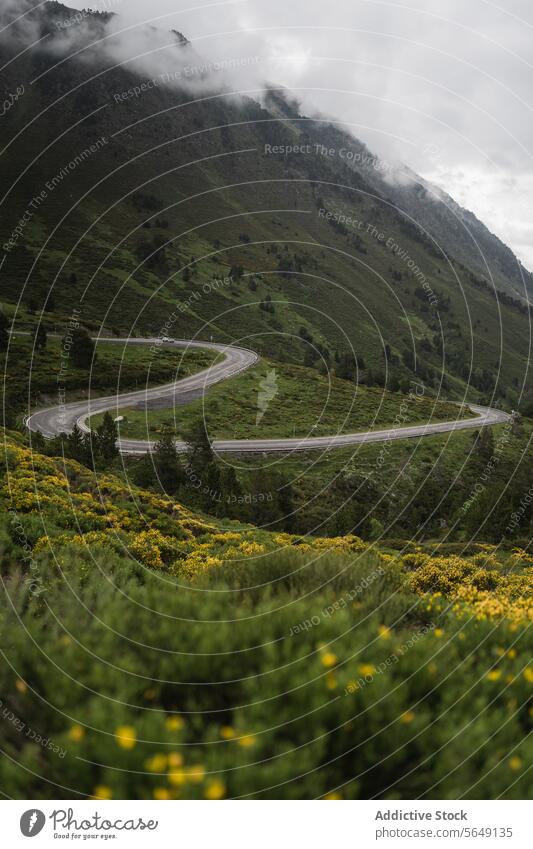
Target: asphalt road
x: 61, y: 419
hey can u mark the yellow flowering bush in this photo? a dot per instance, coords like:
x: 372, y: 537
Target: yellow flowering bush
x: 152, y: 548
x: 229, y: 536
x: 488, y: 593
x: 350, y: 542
x: 251, y: 548
x: 162, y: 534
x: 196, y: 564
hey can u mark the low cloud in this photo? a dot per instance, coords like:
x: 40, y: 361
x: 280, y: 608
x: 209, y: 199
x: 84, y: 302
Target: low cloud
x: 441, y: 85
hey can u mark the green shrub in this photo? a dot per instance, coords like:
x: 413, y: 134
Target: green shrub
x: 287, y: 676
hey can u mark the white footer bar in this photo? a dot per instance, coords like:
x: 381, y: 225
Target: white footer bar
x: 266, y: 824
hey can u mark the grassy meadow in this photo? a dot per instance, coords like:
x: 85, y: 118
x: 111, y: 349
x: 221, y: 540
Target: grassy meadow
x: 299, y: 401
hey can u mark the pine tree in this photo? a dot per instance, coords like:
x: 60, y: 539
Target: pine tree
x: 199, y: 445
x: 37, y: 442
x: 167, y: 466
x: 211, y: 493
x: 76, y: 445
x: 107, y: 436
x: 81, y: 348
x: 230, y: 484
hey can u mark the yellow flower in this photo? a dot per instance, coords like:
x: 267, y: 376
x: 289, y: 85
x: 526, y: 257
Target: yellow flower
x: 438, y: 632
x: 330, y: 797
x: 175, y: 759
x: 215, y: 790
x: 407, y: 717
x: 176, y: 777
x: 76, y: 733
x: 247, y: 741
x: 528, y: 674
x: 331, y: 681
x: 196, y: 774
x: 515, y: 763
x: 475, y: 584
x: 126, y: 736
x: 251, y: 548
x: 494, y: 674
x: 384, y: 632
x: 21, y: 685
x: 102, y: 792
x: 511, y: 653
x: 162, y: 793
x: 157, y: 763
x: 227, y: 732
x: 174, y: 723
x: 329, y: 659
x: 147, y: 547
x: 366, y: 669
x: 228, y: 536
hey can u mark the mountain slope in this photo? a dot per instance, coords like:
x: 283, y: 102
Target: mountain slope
x: 166, y: 201
x: 202, y: 611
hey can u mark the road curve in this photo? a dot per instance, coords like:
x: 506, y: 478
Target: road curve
x: 61, y: 419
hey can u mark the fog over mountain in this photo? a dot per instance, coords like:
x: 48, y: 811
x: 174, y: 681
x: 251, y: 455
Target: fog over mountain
x: 459, y: 115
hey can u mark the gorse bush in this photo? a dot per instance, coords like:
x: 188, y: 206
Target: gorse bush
x: 293, y: 677
x: 152, y: 653
x: 479, y: 584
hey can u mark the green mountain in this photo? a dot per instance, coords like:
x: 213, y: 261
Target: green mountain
x: 153, y: 197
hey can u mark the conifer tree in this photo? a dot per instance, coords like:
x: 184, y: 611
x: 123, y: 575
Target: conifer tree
x: 107, y: 436
x: 167, y: 465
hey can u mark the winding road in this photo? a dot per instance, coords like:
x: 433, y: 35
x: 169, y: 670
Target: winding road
x: 62, y: 418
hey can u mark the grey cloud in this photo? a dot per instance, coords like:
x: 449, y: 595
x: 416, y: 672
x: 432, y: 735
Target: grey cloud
x: 444, y: 86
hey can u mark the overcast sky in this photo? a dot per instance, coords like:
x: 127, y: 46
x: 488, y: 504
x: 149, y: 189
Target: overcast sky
x: 445, y: 86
